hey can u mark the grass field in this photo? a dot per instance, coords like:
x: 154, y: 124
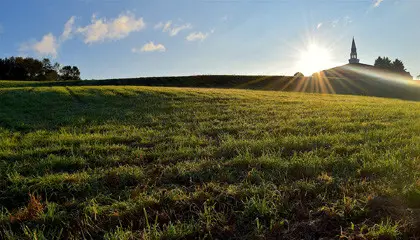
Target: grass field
x: 133, y: 162
x: 348, y: 82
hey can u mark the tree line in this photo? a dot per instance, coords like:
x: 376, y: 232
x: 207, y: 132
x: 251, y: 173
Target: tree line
x: 396, y: 66
x: 30, y: 69
x: 386, y: 63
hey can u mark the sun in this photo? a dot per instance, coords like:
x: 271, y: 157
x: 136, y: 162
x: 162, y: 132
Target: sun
x: 314, y: 59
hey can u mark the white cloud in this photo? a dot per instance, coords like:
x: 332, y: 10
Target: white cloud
x: 150, y: 47
x: 377, y: 3
x: 47, y: 46
x: 102, y: 29
x: 319, y: 26
x: 98, y: 31
x: 172, y: 29
x: 68, y: 29
x: 197, y: 36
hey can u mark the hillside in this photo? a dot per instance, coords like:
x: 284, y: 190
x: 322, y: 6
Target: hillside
x: 127, y: 162
x: 355, y: 80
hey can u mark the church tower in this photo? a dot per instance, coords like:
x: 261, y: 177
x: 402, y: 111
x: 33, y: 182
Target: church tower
x: 353, y: 55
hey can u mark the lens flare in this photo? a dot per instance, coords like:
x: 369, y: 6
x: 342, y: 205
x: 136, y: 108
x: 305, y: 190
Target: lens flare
x: 314, y: 59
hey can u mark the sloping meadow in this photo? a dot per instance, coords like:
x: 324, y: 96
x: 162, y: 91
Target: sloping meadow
x: 167, y: 163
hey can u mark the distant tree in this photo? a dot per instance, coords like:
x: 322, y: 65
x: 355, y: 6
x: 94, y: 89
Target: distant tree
x: 31, y: 69
x: 398, y: 66
x: 418, y: 77
x: 46, y: 63
x: 298, y: 75
x: 395, y: 66
x: 75, y: 73
x: 378, y: 62
x: 383, y: 63
x: 52, y: 76
x: 50, y: 73
x: 18, y: 68
x: 57, y: 67
x: 13, y: 69
x: 69, y: 73
x: 65, y: 73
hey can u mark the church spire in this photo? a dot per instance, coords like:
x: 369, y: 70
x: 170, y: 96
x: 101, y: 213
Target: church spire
x: 353, y: 46
x: 353, y: 55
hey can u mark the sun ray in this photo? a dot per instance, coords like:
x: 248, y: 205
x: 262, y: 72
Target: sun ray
x: 314, y: 58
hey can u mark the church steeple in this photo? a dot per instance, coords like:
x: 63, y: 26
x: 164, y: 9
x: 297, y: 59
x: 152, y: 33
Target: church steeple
x: 353, y: 55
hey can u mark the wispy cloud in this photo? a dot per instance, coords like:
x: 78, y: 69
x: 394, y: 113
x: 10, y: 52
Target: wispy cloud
x: 68, y: 29
x: 377, y: 3
x: 339, y: 22
x: 172, y: 29
x: 102, y: 29
x: 197, y: 36
x: 150, y: 47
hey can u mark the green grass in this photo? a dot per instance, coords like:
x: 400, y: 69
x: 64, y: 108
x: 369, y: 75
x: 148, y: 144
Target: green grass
x: 362, y: 83
x: 8, y: 84
x: 168, y: 163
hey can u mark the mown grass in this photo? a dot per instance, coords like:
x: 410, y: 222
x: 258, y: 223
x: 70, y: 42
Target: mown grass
x: 169, y: 163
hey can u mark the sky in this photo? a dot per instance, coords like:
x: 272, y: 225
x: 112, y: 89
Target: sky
x: 136, y: 38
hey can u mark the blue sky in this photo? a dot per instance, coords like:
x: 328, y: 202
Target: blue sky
x: 131, y: 38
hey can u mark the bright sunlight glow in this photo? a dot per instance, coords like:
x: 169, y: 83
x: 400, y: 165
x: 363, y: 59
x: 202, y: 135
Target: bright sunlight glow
x: 314, y: 59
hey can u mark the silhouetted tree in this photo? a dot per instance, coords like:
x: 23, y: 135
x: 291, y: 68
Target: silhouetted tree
x: 395, y: 66
x: 18, y: 68
x: 76, y: 73
x: 70, y: 73
x: 383, y: 63
x: 33, y: 68
x: 47, y: 64
x: 57, y: 67
x: 50, y: 73
x: 65, y: 73
x: 398, y: 66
